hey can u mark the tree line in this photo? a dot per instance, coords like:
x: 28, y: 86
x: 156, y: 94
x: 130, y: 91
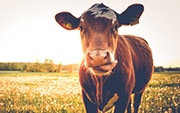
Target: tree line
x: 47, y: 66
x: 162, y: 69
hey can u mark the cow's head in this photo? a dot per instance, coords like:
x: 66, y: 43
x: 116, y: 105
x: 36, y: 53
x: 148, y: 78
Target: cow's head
x: 99, y: 33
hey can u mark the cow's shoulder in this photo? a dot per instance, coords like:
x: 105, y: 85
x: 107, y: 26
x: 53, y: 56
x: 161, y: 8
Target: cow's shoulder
x: 135, y: 41
x: 141, y: 56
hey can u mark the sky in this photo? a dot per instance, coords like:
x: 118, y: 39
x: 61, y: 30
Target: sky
x: 29, y: 32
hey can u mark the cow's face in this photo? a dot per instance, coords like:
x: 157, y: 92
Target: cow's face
x: 99, y: 33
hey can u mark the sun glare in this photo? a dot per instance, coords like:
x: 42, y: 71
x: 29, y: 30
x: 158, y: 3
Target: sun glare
x: 31, y: 33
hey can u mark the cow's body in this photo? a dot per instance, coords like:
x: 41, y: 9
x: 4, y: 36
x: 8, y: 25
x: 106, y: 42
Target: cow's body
x: 131, y: 74
x: 114, y: 66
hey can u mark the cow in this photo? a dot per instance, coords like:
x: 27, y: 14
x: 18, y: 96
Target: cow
x: 113, y: 66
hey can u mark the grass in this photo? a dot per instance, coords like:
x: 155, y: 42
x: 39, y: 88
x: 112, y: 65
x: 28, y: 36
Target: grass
x: 24, y: 74
x: 61, y: 93
x: 162, y: 94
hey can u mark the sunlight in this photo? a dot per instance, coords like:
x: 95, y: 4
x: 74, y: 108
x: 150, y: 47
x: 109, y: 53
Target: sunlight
x: 68, y: 48
x: 31, y: 32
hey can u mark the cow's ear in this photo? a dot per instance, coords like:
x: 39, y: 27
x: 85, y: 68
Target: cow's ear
x: 67, y: 20
x: 131, y: 15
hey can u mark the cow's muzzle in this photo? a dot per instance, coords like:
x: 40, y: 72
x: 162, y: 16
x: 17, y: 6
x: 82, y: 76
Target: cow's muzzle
x: 100, y: 62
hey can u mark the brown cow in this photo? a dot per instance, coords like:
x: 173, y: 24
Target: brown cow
x: 114, y: 66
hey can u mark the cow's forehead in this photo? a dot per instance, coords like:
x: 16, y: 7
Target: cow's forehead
x: 100, y: 10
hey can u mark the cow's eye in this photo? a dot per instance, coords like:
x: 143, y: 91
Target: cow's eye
x: 114, y: 30
x: 81, y: 28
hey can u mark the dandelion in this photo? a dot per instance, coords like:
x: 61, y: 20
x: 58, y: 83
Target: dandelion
x: 1, y: 104
x: 63, y: 94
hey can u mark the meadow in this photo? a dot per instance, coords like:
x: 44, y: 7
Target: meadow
x: 23, y: 92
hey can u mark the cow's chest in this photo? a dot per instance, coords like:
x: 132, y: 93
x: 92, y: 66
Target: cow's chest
x: 104, y: 94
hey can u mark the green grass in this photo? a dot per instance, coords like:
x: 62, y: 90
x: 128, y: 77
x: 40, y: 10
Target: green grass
x: 61, y: 93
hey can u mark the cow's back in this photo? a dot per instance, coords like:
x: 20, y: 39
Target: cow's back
x: 142, y: 60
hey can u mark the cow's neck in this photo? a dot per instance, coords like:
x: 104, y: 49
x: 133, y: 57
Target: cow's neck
x: 100, y: 81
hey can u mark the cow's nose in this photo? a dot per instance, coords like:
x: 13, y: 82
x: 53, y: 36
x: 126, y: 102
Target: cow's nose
x: 98, y: 53
x: 98, y: 57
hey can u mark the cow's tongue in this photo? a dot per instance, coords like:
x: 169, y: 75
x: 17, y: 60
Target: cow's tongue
x: 106, y: 67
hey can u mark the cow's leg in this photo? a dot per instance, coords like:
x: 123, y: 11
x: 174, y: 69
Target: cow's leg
x: 122, y: 103
x: 129, y: 107
x: 137, y: 101
x: 89, y: 106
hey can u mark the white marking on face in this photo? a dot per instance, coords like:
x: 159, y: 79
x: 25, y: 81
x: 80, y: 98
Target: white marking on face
x: 82, y: 20
x: 103, y: 12
x: 111, y: 102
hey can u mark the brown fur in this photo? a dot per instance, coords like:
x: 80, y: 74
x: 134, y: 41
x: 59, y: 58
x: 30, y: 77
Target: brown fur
x: 131, y: 75
x: 114, y: 66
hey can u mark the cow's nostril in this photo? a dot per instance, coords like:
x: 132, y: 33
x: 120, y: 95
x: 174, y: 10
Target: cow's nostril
x: 106, y: 55
x: 90, y: 56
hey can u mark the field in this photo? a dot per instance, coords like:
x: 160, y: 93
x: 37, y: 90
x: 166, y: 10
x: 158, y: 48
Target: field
x: 60, y: 93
